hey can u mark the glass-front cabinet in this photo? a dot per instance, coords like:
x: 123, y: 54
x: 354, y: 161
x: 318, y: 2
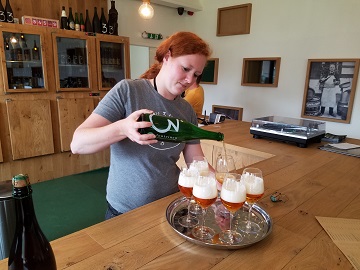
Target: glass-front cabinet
x: 24, y: 67
x: 72, y: 62
x: 113, y: 54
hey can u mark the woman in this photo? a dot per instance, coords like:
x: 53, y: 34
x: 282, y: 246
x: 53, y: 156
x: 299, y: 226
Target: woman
x: 141, y: 168
x: 195, y: 96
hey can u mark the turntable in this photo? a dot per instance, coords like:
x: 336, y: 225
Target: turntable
x: 293, y: 130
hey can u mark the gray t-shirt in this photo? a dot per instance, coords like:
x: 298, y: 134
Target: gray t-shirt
x: 140, y: 174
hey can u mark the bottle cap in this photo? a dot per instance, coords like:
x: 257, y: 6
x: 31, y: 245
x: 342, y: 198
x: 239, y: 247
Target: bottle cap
x: 20, y: 180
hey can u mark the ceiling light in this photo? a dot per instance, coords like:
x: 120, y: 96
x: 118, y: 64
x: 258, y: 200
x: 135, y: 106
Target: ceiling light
x: 146, y: 11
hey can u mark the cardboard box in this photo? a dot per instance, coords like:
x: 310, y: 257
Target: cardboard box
x: 36, y: 21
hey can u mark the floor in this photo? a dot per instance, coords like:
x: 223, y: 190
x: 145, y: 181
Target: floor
x: 68, y: 204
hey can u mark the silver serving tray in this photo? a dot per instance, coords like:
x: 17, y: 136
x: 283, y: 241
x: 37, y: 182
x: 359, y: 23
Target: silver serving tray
x: 217, y: 221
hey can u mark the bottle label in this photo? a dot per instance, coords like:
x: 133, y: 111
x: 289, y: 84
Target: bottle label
x: 176, y: 126
x: 72, y: 25
x: 10, y: 17
x: 2, y: 16
x: 77, y: 27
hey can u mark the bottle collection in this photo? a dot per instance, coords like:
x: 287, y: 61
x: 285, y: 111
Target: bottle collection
x: 6, y: 14
x: 98, y: 24
x: 16, y: 48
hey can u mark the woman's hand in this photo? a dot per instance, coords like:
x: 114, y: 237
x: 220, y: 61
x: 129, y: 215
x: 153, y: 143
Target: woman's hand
x: 131, y: 125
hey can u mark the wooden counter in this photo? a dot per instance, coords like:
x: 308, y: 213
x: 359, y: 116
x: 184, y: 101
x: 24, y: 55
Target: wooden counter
x: 317, y: 183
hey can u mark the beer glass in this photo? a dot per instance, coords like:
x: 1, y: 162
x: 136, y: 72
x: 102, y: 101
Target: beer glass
x: 186, y: 182
x: 205, y: 194
x: 224, y: 164
x: 201, y: 164
x: 254, y: 184
x: 233, y: 196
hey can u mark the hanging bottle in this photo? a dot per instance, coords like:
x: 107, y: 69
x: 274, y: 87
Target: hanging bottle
x: 2, y: 13
x: 9, y: 12
x: 104, y: 26
x: 71, y: 22
x: 172, y: 129
x: 63, y: 19
x: 30, y: 249
x: 96, y: 22
x: 35, y: 52
x: 77, y: 22
x: 113, y: 18
x: 88, y: 27
x: 82, y: 23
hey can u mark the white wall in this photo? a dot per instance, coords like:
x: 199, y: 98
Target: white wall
x: 291, y: 29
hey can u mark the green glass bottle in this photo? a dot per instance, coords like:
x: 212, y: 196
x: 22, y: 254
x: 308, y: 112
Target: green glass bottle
x: 172, y: 129
x: 30, y: 249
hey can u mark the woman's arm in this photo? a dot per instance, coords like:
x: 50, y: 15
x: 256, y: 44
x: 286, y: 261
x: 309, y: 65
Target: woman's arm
x: 97, y: 133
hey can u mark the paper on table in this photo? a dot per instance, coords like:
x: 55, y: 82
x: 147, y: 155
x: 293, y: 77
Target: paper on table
x: 344, y: 146
x: 345, y: 233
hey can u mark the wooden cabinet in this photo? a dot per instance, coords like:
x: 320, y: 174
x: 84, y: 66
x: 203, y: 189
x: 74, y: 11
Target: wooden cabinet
x: 30, y: 128
x: 53, y: 94
x: 22, y: 59
x: 113, y: 58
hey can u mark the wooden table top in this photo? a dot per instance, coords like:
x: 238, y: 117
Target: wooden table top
x: 317, y: 183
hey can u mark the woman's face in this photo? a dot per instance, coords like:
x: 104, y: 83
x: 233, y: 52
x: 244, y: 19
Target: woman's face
x: 181, y: 72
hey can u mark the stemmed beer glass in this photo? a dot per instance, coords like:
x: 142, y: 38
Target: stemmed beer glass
x: 186, y: 182
x: 233, y: 196
x: 224, y: 164
x: 254, y: 184
x: 205, y: 194
x: 200, y: 164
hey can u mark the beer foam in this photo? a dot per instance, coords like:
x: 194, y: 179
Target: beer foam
x: 201, y: 166
x: 233, y: 191
x: 205, y: 188
x: 187, y: 178
x: 254, y: 184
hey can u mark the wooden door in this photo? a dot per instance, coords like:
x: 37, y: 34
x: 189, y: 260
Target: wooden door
x: 72, y: 112
x: 30, y: 128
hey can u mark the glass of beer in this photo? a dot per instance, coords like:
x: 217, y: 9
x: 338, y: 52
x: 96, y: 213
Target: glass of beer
x: 254, y: 184
x: 186, y: 182
x: 201, y: 164
x: 205, y: 194
x: 224, y: 164
x: 233, y: 196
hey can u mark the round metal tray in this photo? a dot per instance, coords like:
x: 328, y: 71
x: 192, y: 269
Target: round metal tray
x: 217, y: 218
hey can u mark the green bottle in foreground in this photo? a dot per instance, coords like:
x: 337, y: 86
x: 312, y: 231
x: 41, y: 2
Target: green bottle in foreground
x: 170, y: 129
x: 30, y: 250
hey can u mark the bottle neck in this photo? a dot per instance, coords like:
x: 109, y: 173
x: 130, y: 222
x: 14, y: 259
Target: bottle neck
x: 25, y: 213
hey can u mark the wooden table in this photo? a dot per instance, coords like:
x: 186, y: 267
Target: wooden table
x: 317, y: 183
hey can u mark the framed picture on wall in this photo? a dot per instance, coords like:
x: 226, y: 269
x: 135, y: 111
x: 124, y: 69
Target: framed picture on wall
x: 330, y: 89
x: 210, y: 72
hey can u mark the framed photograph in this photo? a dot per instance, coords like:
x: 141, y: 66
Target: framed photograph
x: 234, y: 20
x: 330, y: 89
x: 210, y: 72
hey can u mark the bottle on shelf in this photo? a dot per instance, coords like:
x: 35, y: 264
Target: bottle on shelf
x: 77, y: 22
x: 9, y: 12
x: 30, y: 249
x: 2, y: 13
x: 96, y: 22
x: 63, y: 19
x: 82, y: 23
x: 7, y: 50
x: 172, y: 129
x: 35, y: 52
x: 88, y: 27
x: 71, y: 22
x: 113, y: 18
x: 104, y: 26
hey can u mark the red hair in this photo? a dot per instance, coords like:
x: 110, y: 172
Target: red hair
x: 179, y: 44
